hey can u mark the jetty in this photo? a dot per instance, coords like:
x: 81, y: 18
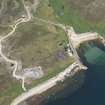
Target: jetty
x: 77, y: 39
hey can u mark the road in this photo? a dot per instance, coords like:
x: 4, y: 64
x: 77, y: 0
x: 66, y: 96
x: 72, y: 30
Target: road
x: 51, y: 23
x: 53, y: 81
x: 45, y: 85
x: 19, y: 21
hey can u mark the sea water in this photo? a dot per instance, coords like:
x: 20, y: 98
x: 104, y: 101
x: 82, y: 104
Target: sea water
x: 92, y: 92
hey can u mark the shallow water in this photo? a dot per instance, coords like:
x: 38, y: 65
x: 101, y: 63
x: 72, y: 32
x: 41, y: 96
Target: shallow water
x: 93, y: 90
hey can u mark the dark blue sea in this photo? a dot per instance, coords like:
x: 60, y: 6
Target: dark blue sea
x: 92, y: 92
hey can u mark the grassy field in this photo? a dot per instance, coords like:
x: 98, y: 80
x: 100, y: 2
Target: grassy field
x: 42, y: 45
x: 35, y: 43
x: 9, y: 88
x: 11, y: 10
x: 4, y: 30
x: 57, y: 92
x: 44, y: 11
x: 66, y: 14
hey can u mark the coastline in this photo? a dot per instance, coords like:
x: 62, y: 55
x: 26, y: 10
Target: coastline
x: 46, y: 85
x: 39, y: 97
x: 70, y: 85
x: 52, y: 82
x: 39, y: 89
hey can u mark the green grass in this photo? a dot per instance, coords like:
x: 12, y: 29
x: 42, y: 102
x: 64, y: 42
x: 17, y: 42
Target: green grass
x: 29, y: 44
x: 44, y: 11
x: 13, y: 9
x: 12, y: 90
x: 37, y: 43
x: 4, y: 30
x: 67, y: 15
x: 9, y: 89
x: 59, y: 67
